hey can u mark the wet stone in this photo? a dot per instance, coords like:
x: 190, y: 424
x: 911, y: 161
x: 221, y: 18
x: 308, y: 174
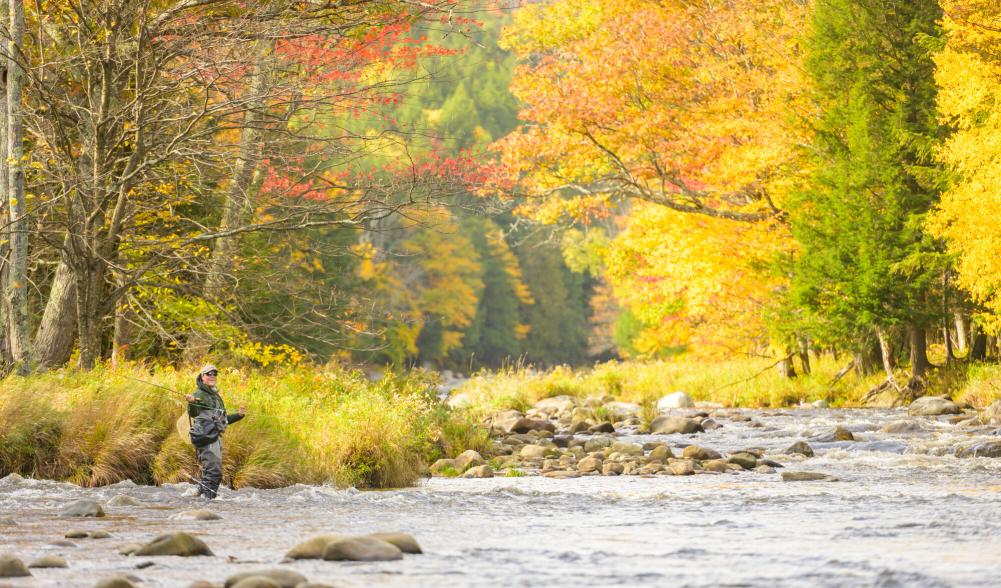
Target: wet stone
x: 604, y: 427
x: 403, y: 541
x: 746, y: 460
x: 76, y: 534
x: 800, y: 448
x: 806, y: 477
x: 667, y: 425
x: 100, y: 535
x: 123, y: 500
x: 700, y: 453
x: 179, y: 544
x: 255, y: 582
x: 362, y: 549
x: 482, y: 471
x: 280, y: 577
x: 195, y: 515
x: 115, y: 582
x: 49, y: 561
x: 681, y: 467
x: 468, y: 459
x: 82, y: 508
x: 313, y: 547
x: 12, y: 567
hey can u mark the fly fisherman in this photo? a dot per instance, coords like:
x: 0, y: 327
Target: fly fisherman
x: 208, y: 420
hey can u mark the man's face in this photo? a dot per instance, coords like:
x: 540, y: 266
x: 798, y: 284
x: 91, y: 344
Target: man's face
x: 210, y: 377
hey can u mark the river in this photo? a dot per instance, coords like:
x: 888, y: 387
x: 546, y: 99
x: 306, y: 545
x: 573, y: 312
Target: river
x: 903, y: 512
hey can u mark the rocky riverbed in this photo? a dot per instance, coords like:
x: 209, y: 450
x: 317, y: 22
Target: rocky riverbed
x: 908, y: 500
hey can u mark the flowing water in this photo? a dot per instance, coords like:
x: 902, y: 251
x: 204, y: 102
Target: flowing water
x: 903, y: 512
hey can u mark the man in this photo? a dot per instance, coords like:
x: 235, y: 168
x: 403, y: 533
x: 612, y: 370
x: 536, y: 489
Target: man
x: 206, y: 405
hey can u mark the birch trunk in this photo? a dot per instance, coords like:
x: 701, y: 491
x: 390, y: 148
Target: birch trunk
x: 17, y: 282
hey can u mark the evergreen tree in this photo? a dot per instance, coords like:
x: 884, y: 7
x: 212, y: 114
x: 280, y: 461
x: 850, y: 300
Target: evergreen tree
x: 865, y: 264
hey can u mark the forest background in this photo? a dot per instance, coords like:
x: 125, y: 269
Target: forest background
x: 464, y: 185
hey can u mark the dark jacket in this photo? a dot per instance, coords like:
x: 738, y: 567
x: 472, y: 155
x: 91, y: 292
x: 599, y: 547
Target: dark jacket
x: 207, y: 398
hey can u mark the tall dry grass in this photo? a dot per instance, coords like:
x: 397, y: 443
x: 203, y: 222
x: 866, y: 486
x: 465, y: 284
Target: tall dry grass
x: 309, y: 425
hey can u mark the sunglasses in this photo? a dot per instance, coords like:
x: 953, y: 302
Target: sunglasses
x: 213, y: 374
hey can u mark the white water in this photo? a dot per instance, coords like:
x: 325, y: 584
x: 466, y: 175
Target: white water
x: 904, y: 512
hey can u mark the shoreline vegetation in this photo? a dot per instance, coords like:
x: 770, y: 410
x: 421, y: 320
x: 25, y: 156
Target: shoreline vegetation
x: 332, y: 425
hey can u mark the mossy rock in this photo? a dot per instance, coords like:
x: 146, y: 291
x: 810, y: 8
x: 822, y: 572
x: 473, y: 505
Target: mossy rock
x: 362, y: 549
x: 180, y: 544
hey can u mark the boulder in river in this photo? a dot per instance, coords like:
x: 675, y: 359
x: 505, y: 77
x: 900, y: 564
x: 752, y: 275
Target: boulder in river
x: 524, y: 425
x: 115, y: 582
x: 281, y: 577
x: 700, y: 453
x: 12, y: 567
x: 313, y: 547
x: 82, y: 508
x: 589, y: 464
x: 361, y: 549
x: 405, y: 542
x: 482, y: 471
x: 746, y: 460
x: 661, y: 454
x: 602, y: 427
x: 598, y: 443
x: 49, y: 561
x: 933, y: 406
x: 620, y: 411
x: 123, y: 500
x: 536, y: 451
x: 992, y: 414
x: 442, y: 465
x: 76, y: 534
x: 612, y: 468
x: 100, y: 534
x: 667, y: 425
x: 806, y: 477
x: 195, y: 515
x: 180, y: 544
x: 902, y: 426
x: 561, y: 475
x: 675, y: 400
x: 505, y: 421
x: 129, y: 548
x: 799, y: 448
x: 681, y: 467
x: 468, y: 459
x: 256, y: 582
x: 716, y: 465
x: 985, y: 449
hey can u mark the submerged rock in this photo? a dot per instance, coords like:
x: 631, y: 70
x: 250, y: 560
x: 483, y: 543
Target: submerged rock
x: 195, y: 515
x: 82, y: 508
x: 362, y: 549
x: 700, y: 453
x: 933, y: 406
x: 598, y: 443
x: 129, y: 548
x: 985, y: 449
x: 667, y: 425
x: 123, y: 500
x: 280, y: 577
x: 255, y: 582
x: 49, y: 561
x: 12, y: 567
x: 799, y: 448
x: 806, y: 477
x: 902, y: 426
x: 682, y: 467
x: 100, y: 534
x: 312, y: 548
x: 180, y: 544
x: 746, y: 460
x: 403, y: 541
x: 76, y: 534
x: 115, y: 582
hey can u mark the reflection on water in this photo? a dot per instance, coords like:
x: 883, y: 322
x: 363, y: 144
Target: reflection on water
x: 904, y: 512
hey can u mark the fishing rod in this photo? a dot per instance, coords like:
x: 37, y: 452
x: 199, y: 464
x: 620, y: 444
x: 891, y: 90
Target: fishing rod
x: 178, y: 392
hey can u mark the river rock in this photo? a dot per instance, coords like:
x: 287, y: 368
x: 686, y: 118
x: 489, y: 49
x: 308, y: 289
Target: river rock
x: 12, y: 567
x: 799, y: 448
x: 313, y: 547
x: 524, y: 425
x: 589, y: 464
x: 82, y: 508
x: 195, y: 515
x: 612, y: 468
x: 468, y: 459
x: 49, y: 561
x: 933, y: 406
x: 598, y: 443
x: 505, y: 421
x: 992, y: 414
x: 667, y: 425
x: 536, y: 451
x: 700, y: 453
x: 806, y: 477
x: 129, y: 548
x: 675, y: 400
x: 555, y: 406
x: 681, y: 467
x: 580, y: 426
x: 115, y: 582
x: 709, y: 424
x: 123, y: 500
x: 902, y: 426
x: 626, y: 448
x: 660, y: 453
x: 838, y: 434
x: 620, y: 411
x: 403, y: 541
x: 255, y: 582
x: 561, y: 474
x: 602, y: 427
x: 985, y: 449
x: 361, y: 549
x: 746, y: 460
x: 76, y: 534
x: 482, y: 471
x: 716, y: 465
x: 441, y: 465
x: 281, y: 577
x: 180, y: 544
x: 202, y: 584
x: 100, y: 534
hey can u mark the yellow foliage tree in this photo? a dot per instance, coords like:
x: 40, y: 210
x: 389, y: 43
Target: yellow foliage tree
x: 969, y: 78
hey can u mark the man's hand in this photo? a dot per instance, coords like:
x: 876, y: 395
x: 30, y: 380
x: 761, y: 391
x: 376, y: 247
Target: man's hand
x: 243, y: 410
x: 189, y: 397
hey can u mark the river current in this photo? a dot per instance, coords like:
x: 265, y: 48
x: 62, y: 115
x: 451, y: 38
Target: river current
x: 904, y: 511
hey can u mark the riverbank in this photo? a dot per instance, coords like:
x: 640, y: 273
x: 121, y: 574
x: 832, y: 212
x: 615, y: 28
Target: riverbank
x: 307, y: 425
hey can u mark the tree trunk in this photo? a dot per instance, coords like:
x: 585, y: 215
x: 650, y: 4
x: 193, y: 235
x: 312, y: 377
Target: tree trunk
x: 804, y: 354
x: 17, y: 279
x: 962, y: 331
x: 919, y: 355
x: 886, y: 352
x: 979, y: 350
x: 90, y: 295
x: 56, y: 332
x: 123, y: 333
x: 6, y: 358
x: 786, y: 368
